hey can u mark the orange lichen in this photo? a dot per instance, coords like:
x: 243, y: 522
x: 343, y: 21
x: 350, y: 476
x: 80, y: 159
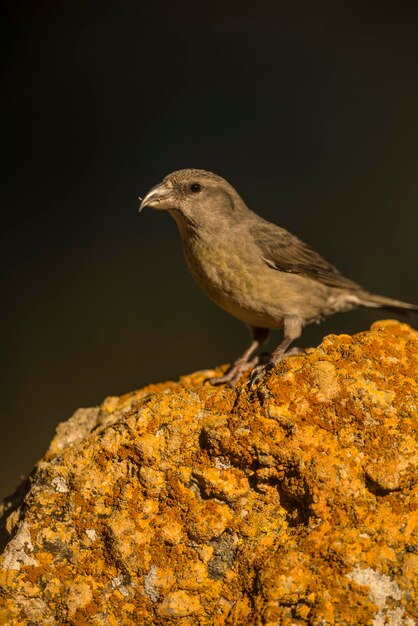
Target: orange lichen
x: 293, y: 503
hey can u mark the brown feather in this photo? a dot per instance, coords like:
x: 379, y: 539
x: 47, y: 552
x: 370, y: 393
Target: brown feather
x: 284, y: 252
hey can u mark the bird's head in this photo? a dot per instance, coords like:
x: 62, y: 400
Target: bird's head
x: 193, y: 197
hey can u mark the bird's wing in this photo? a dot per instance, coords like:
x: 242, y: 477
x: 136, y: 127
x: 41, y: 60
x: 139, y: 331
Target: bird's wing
x: 284, y: 252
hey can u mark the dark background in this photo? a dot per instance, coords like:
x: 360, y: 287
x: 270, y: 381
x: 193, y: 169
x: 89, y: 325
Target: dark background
x: 309, y: 109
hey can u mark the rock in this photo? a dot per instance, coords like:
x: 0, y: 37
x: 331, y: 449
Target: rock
x: 295, y: 503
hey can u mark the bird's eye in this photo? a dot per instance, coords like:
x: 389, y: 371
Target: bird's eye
x: 195, y: 187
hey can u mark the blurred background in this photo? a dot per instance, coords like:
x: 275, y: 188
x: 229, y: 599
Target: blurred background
x: 309, y: 109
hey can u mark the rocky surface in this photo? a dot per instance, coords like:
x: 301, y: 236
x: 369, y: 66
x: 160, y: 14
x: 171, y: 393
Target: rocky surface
x: 295, y: 503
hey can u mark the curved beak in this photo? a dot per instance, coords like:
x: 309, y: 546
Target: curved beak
x: 156, y: 198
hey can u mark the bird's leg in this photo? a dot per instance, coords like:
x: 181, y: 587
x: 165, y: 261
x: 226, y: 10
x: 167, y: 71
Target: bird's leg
x: 292, y: 330
x: 243, y: 363
x: 295, y: 351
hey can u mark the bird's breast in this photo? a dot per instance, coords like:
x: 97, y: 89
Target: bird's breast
x: 228, y: 273
x: 232, y: 272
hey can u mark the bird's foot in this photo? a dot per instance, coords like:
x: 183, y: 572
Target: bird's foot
x: 236, y: 371
x: 261, y: 370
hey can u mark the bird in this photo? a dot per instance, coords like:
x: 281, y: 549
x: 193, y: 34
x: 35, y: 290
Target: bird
x: 255, y: 270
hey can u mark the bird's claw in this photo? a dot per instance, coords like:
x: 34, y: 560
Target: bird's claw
x: 231, y: 381
x: 235, y: 372
x: 259, y: 372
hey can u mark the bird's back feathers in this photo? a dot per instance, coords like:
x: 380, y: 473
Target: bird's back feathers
x: 284, y: 252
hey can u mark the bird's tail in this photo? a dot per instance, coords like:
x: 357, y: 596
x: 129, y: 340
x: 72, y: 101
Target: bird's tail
x: 374, y: 301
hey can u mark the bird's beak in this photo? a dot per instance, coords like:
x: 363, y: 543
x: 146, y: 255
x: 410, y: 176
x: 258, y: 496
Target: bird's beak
x: 157, y: 198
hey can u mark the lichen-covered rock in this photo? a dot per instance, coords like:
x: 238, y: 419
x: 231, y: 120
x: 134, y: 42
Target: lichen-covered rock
x: 181, y: 503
